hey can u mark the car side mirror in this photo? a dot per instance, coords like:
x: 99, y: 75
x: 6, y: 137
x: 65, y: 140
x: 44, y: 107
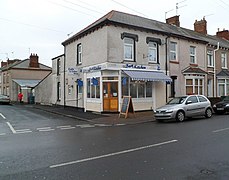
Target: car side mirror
x: 189, y: 102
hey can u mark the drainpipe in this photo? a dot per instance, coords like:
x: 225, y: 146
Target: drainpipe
x: 166, y: 66
x: 215, y: 68
x: 64, y: 75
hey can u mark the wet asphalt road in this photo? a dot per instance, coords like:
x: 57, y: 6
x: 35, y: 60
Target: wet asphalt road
x: 38, y: 145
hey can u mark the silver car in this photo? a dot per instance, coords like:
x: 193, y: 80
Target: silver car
x: 183, y: 107
x: 4, y: 99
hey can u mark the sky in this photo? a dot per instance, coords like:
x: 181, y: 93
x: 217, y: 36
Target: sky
x: 40, y: 26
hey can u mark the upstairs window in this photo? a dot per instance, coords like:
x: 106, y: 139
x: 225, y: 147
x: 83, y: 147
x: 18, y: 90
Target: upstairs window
x: 58, y: 67
x: 152, y: 54
x: 129, y: 49
x: 79, y: 54
x: 210, y: 58
x: 153, y: 49
x: 192, y: 51
x: 224, y: 60
x: 173, y: 51
x: 129, y: 46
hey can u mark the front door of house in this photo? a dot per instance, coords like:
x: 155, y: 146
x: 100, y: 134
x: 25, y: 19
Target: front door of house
x: 110, y: 96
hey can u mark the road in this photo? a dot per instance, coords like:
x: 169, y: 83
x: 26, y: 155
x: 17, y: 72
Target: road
x: 38, y: 145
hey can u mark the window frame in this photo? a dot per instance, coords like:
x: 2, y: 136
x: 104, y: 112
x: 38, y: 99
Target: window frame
x: 133, y: 37
x: 173, y: 51
x: 79, y: 54
x: 93, y: 91
x: 210, y: 58
x: 224, y: 60
x: 127, y: 46
x: 199, y: 87
x: 155, y: 50
x: 192, y: 54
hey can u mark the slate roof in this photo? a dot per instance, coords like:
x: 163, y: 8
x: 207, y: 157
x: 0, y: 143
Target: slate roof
x: 223, y: 73
x: 148, y: 25
x: 194, y: 70
x: 22, y: 64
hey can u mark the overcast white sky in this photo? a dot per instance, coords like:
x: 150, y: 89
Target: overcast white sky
x: 40, y: 26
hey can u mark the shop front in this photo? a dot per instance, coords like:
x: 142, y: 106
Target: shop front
x: 107, y: 83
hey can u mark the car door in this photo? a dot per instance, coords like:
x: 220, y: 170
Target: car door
x: 203, y: 103
x: 192, y: 106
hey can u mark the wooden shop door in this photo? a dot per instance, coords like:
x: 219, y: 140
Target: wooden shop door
x: 110, y: 96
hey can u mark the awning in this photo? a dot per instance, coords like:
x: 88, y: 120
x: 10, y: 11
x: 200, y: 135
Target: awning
x: 26, y: 83
x: 145, y: 75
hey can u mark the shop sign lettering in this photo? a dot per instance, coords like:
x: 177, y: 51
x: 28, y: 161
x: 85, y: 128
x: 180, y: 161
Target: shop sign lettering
x: 72, y: 70
x: 135, y: 66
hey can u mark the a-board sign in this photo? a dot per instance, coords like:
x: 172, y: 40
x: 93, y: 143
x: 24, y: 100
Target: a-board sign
x: 127, y: 106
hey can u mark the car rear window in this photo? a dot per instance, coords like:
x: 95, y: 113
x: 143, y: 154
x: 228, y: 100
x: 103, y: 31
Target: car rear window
x: 202, y: 99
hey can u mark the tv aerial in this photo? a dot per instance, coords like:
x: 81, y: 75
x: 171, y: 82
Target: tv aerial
x: 178, y: 7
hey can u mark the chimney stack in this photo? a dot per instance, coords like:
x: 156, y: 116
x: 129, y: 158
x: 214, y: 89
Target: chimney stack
x: 34, y: 61
x: 223, y: 34
x: 3, y: 63
x: 173, y: 21
x: 201, y: 26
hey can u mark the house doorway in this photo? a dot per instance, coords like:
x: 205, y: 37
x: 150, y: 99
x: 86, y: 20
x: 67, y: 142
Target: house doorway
x: 110, y: 96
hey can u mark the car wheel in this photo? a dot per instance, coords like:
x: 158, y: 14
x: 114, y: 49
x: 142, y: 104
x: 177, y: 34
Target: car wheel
x: 180, y: 116
x: 208, y: 113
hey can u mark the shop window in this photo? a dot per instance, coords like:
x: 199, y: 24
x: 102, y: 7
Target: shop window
x: 88, y: 88
x: 93, y: 88
x: 133, y: 89
x: 125, y: 86
x: 136, y: 89
x: 141, y: 90
x: 149, y: 89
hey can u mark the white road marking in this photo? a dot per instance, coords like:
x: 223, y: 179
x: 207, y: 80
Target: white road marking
x: 112, y: 154
x: 219, y: 130
x: 43, y: 128
x: 2, y: 116
x: 2, y: 134
x: 103, y: 125
x: 21, y: 132
x: 11, y: 127
x: 85, y: 126
x: 64, y: 128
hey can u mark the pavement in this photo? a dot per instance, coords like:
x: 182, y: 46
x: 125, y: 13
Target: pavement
x: 97, y: 118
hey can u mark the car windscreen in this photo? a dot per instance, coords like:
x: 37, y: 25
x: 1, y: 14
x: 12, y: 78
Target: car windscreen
x: 177, y: 100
